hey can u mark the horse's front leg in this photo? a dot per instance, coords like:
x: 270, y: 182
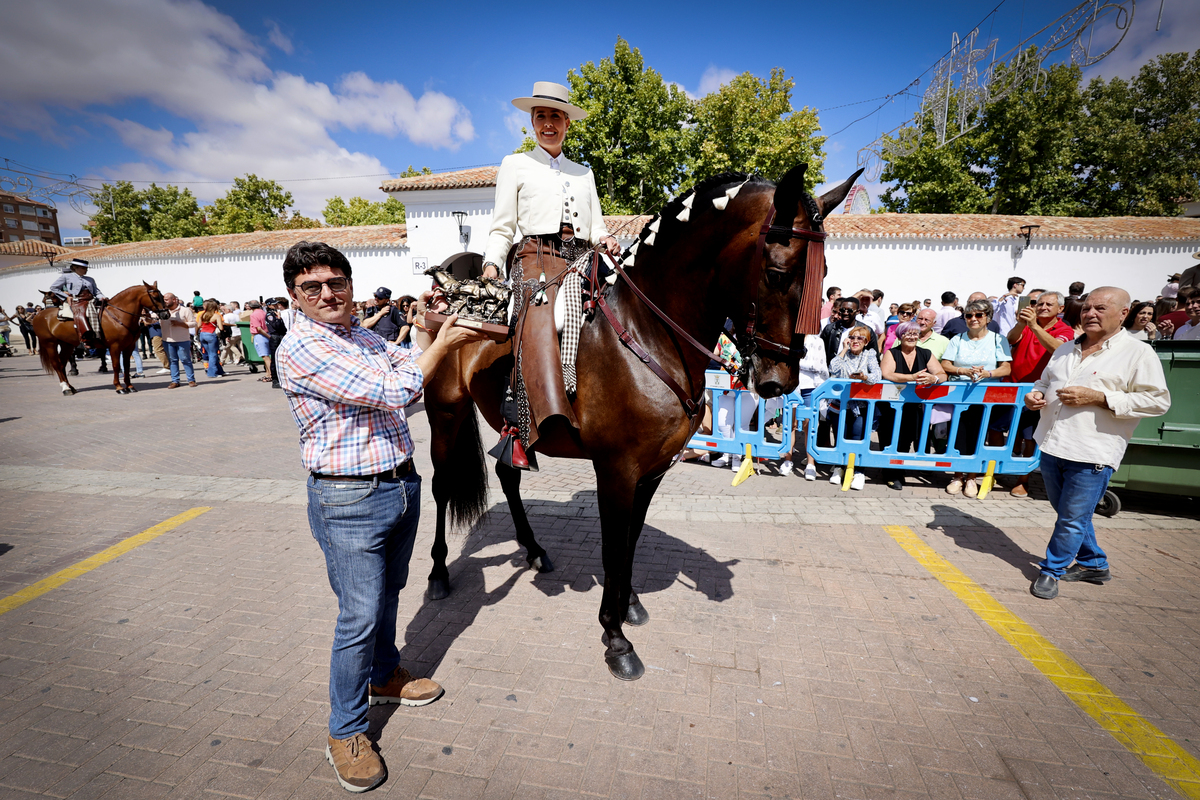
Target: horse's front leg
x: 637, y: 614
x: 615, y: 497
x: 114, y: 350
x: 510, y: 482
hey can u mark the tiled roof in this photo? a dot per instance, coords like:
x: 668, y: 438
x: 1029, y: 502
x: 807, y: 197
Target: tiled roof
x: 348, y: 238
x: 20, y: 198
x: 31, y: 247
x: 460, y: 179
x: 996, y: 226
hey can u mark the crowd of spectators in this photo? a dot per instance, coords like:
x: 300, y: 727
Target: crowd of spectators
x: 1008, y: 337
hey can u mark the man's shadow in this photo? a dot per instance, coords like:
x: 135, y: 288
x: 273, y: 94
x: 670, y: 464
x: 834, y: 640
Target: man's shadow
x: 660, y: 562
x: 971, y: 533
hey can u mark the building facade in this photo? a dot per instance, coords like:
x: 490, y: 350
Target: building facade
x: 27, y: 220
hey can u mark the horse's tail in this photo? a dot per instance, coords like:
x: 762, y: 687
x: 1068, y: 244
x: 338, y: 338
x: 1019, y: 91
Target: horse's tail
x: 48, y: 353
x: 468, y: 486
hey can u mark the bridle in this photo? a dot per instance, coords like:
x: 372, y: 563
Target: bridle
x: 807, y: 320
x: 808, y: 317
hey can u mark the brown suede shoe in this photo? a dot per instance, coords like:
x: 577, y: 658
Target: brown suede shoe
x: 406, y: 690
x: 191, y: 383
x: 357, y: 766
x: 1019, y: 491
x: 172, y: 385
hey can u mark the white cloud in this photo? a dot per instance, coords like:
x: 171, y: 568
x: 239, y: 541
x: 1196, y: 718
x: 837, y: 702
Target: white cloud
x: 234, y: 114
x: 714, y: 78
x: 278, y: 38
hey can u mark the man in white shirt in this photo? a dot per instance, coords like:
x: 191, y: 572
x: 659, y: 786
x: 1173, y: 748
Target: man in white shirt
x: 1189, y: 330
x: 866, y: 312
x: 947, y: 312
x: 1092, y: 395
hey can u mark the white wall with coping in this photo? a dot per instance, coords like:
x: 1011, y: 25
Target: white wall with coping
x: 916, y: 268
x: 225, y: 276
x: 432, y: 230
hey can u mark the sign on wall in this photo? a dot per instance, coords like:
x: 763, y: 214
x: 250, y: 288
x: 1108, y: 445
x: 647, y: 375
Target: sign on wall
x: 420, y: 264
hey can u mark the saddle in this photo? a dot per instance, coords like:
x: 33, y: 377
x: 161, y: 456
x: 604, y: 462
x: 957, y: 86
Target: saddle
x: 79, y: 308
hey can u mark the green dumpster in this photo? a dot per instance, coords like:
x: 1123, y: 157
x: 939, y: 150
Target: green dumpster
x: 1164, y: 454
x: 253, y: 359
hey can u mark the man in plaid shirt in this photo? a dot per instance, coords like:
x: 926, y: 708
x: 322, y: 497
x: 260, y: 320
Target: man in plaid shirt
x: 347, y: 388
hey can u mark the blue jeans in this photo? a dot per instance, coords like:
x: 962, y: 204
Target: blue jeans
x: 366, y: 530
x: 212, y: 353
x: 180, y: 352
x: 1074, y: 489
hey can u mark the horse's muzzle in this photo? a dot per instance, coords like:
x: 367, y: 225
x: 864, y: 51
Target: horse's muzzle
x: 162, y: 314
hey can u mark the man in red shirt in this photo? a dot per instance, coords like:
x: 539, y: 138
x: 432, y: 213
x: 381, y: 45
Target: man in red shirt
x: 1037, y: 333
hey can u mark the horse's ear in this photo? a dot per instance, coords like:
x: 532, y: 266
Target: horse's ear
x: 834, y: 197
x: 787, y: 194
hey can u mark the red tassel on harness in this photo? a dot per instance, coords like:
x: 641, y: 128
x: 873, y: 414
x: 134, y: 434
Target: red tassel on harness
x: 809, y: 319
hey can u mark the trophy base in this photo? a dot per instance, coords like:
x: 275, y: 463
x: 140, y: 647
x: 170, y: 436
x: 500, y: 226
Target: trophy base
x: 498, y: 333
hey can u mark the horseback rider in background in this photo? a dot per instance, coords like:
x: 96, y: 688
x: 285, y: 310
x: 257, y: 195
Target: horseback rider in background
x: 79, y: 293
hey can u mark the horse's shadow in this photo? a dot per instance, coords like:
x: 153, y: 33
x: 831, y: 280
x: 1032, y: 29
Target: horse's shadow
x: 971, y: 533
x: 661, y: 561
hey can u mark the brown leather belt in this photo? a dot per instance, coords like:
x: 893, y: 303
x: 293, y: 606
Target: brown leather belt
x: 399, y: 471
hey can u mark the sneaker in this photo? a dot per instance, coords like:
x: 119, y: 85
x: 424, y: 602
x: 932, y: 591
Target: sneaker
x: 810, y: 473
x: 954, y: 487
x: 406, y: 690
x: 357, y: 766
x: 139, y: 374
x: 856, y: 483
x: 736, y: 464
x: 723, y: 461
x: 786, y: 467
x: 970, y: 488
x: 163, y: 371
x: 836, y: 477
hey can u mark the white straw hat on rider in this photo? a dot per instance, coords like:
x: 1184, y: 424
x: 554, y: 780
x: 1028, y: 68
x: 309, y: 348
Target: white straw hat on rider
x: 550, y: 95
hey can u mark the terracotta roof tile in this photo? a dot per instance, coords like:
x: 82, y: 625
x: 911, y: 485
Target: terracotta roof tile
x: 31, y: 247
x: 348, y: 238
x: 995, y: 226
x: 460, y: 179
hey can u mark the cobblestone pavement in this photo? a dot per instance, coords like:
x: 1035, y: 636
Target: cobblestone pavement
x: 794, y: 649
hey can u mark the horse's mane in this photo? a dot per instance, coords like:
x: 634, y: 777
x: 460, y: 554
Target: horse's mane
x: 666, y: 224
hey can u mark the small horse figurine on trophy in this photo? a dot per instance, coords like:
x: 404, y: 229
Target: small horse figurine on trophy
x: 481, y: 303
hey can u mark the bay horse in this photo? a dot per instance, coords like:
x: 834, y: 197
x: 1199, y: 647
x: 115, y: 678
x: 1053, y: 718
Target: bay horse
x: 736, y: 247
x: 57, y: 339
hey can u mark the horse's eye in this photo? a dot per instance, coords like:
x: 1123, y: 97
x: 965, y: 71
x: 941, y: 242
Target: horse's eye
x: 778, y: 278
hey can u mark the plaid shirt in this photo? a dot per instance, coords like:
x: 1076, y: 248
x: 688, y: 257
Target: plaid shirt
x: 347, y: 391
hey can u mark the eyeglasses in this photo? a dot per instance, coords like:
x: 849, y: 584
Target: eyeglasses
x: 906, y: 313
x: 313, y: 288
x: 857, y: 338
x: 975, y: 316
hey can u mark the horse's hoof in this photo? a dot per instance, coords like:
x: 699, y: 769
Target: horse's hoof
x: 439, y: 589
x: 130, y: 390
x: 541, y: 563
x: 74, y: 373
x: 103, y: 369
x: 122, y: 391
x: 68, y: 392
x: 637, y: 614
x: 626, y: 667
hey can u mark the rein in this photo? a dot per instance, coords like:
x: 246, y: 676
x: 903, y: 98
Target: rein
x: 807, y: 320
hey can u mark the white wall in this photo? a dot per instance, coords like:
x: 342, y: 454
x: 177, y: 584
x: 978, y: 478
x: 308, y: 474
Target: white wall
x: 918, y: 268
x: 234, y: 276
x: 432, y: 229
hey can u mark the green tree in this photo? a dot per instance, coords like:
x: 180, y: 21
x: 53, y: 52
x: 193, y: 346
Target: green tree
x: 124, y: 214
x: 297, y: 222
x: 412, y: 173
x: 749, y: 125
x: 635, y: 138
x: 1140, y: 141
x: 252, y: 204
x: 359, y: 211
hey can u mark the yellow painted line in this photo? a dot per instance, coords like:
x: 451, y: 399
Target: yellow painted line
x: 1164, y: 757
x: 119, y: 549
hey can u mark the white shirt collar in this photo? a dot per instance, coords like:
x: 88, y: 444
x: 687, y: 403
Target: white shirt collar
x: 555, y: 162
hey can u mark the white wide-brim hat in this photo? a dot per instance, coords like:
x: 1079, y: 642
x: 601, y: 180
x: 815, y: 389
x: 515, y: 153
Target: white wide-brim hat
x: 550, y: 95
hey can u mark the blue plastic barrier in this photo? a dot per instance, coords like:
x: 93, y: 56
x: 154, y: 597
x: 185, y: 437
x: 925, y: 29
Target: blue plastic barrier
x: 739, y: 406
x: 951, y: 398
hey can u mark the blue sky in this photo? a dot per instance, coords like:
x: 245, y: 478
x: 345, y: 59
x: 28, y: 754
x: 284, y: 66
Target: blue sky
x: 325, y: 98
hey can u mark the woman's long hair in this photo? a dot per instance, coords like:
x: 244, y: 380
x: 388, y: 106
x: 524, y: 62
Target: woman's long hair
x: 210, y: 313
x: 1132, y: 316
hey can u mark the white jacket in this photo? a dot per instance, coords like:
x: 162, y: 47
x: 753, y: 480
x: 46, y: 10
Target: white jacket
x: 532, y: 198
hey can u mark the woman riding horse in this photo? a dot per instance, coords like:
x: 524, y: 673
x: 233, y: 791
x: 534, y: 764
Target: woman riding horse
x: 79, y: 292
x: 553, y: 202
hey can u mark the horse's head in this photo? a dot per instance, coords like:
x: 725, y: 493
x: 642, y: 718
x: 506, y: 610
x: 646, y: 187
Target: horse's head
x: 153, y: 300
x: 786, y: 272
